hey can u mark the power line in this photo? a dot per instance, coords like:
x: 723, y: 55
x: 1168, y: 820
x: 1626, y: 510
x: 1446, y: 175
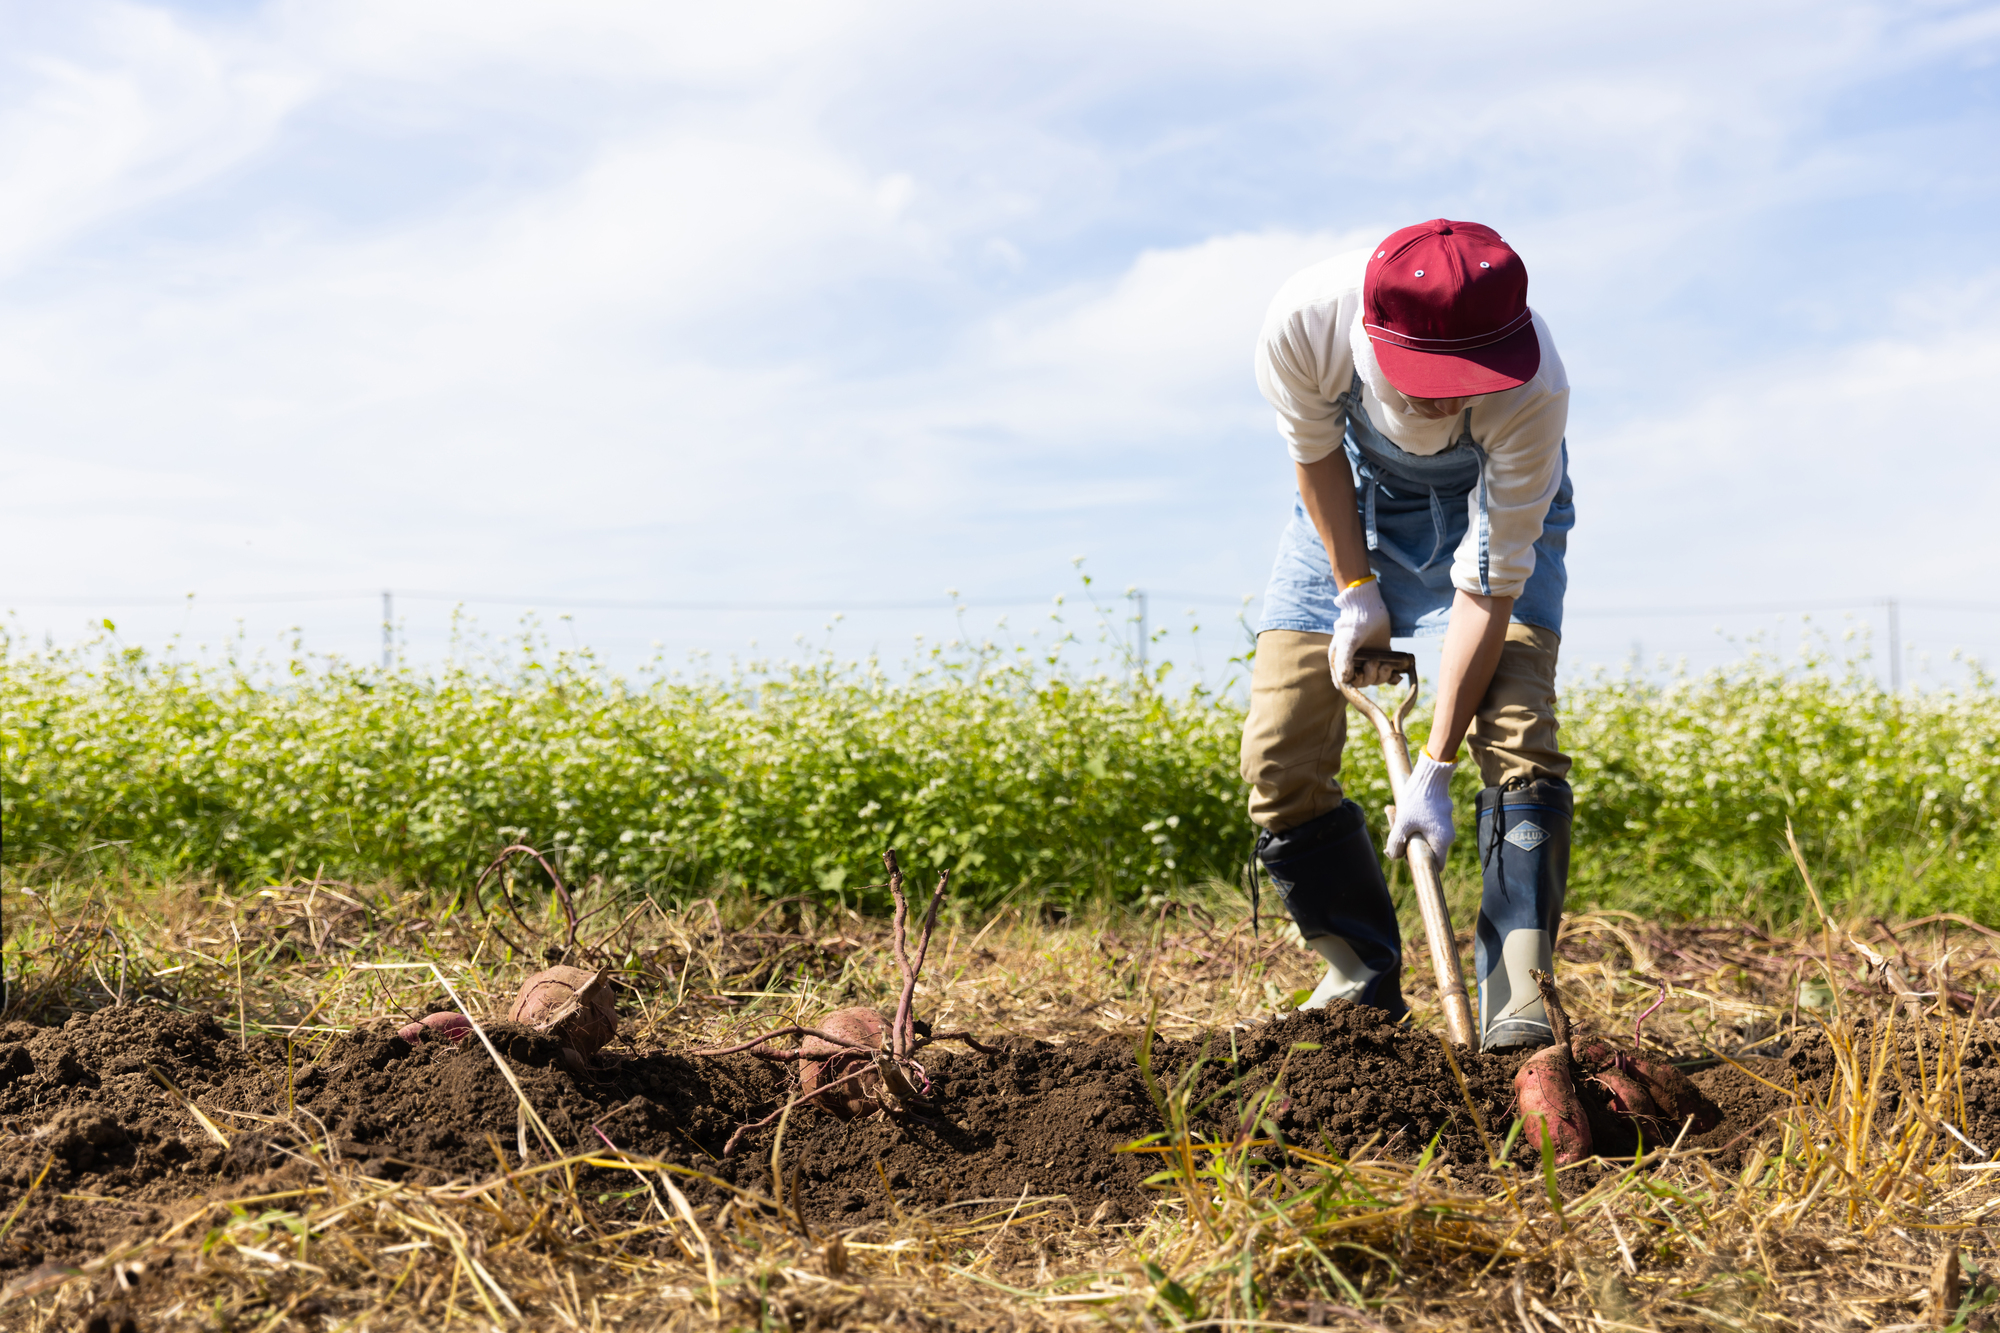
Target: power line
x: 1977, y: 608
x: 927, y: 604
x: 1780, y: 608
x: 504, y: 599
x: 120, y: 599
x: 1200, y: 598
x: 622, y: 604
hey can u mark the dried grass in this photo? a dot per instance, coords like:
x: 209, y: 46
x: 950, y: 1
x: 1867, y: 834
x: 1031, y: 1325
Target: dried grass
x: 1838, y: 1222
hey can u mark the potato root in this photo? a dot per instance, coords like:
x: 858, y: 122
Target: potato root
x: 1551, y: 1112
x: 825, y: 1062
x: 857, y: 1062
x: 451, y: 1027
x: 1625, y: 1094
x: 1632, y: 1117
x: 1585, y: 1095
x: 1667, y: 1094
x: 1679, y: 1100
x: 576, y: 1006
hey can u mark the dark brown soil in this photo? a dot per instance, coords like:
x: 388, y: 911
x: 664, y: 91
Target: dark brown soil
x: 92, y: 1102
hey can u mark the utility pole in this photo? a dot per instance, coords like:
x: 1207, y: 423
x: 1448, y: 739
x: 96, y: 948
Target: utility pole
x: 1895, y: 649
x: 1138, y: 597
x: 388, y: 628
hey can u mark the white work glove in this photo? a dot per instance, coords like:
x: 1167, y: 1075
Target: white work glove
x: 1423, y: 809
x: 1363, y: 623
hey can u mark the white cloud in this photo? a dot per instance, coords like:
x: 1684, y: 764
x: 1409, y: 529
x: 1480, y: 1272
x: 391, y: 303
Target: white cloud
x: 1165, y: 347
x: 1863, y: 471
x: 125, y: 106
x: 720, y: 46
x: 708, y: 300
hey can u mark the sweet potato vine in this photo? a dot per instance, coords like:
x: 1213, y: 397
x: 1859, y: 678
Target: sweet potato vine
x: 854, y: 1064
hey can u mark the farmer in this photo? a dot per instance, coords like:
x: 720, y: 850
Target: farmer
x: 1423, y: 404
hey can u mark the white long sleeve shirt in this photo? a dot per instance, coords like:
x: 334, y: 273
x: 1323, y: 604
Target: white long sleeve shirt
x: 1313, y: 345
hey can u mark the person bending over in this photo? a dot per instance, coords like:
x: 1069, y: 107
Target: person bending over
x: 1423, y: 404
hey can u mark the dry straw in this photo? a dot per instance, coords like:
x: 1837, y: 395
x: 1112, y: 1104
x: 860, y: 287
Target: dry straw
x: 1860, y: 1201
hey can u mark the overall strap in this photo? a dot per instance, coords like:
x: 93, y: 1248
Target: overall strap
x: 1378, y: 459
x: 1465, y: 440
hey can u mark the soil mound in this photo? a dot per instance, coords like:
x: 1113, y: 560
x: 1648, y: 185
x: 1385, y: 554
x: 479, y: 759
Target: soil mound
x: 102, y: 1105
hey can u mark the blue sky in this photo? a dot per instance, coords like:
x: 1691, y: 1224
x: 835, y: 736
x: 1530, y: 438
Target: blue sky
x: 837, y: 304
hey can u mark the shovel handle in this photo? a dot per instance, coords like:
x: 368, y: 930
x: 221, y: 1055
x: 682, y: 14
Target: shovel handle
x: 1400, y: 663
x: 1444, y: 945
x: 1423, y: 862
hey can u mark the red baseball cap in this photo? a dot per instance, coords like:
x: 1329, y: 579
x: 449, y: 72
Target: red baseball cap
x: 1446, y: 305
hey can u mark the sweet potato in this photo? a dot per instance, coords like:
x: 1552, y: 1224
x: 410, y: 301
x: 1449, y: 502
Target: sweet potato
x: 1669, y: 1094
x: 826, y: 1062
x: 1583, y: 1090
x: 1624, y: 1094
x: 1551, y: 1111
x: 1591, y: 1053
x: 576, y: 1006
x: 1679, y: 1100
x: 452, y: 1027
x: 856, y: 1062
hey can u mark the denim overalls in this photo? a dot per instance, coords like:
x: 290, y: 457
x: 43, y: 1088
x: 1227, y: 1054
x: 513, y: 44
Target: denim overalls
x: 1415, y: 511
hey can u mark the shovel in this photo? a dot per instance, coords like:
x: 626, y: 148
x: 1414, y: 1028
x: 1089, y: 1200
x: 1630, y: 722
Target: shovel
x: 1423, y: 862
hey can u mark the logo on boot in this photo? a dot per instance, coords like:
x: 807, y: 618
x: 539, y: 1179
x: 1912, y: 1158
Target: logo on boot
x: 1528, y: 836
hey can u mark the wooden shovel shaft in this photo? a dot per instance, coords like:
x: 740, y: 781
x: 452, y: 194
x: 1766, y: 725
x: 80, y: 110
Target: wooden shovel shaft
x: 1423, y: 863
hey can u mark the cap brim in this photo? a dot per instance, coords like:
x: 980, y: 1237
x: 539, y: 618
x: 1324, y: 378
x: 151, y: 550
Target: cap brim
x: 1507, y: 364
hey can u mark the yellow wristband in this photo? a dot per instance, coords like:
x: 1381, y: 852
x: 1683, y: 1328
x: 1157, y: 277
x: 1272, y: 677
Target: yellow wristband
x: 1347, y: 587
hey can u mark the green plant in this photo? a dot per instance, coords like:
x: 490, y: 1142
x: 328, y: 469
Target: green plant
x: 782, y: 778
x: 1030, y: 781
x: 1684, y: 790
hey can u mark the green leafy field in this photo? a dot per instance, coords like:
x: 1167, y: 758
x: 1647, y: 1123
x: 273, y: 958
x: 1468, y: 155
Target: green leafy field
x: 1022, y: 777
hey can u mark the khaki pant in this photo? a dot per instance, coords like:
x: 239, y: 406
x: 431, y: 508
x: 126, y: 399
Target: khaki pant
x: 1298, y: 723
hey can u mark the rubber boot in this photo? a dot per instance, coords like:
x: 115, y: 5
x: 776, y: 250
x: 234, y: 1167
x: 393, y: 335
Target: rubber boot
x: 1524, y: 867
x: 1328, y: 874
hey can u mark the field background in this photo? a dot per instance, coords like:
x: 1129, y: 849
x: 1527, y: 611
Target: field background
x: 282, y: 846
x: 1033, y: 780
